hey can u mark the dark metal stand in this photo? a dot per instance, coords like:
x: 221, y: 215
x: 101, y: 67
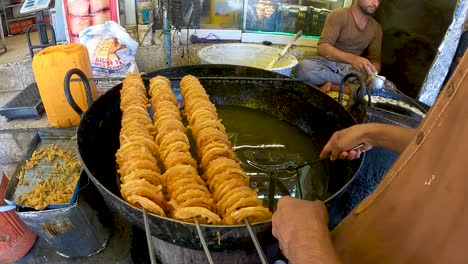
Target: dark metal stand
x: 42, y: 29
x: 42, y: 32
x: 3, y: 47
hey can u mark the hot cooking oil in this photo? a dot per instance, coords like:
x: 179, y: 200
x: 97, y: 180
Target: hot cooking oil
x: 261, y: 139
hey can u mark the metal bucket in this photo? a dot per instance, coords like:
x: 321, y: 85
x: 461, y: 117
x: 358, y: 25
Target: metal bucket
x: 252, y: 55
x: 73, y: 231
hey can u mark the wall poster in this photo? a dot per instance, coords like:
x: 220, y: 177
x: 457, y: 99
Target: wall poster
x: 80, y: 14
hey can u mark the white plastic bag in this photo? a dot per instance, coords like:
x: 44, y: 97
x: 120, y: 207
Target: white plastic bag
x: 111, y: 51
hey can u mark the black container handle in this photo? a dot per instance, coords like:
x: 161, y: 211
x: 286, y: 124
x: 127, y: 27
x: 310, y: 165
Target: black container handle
x: 66, y: 87
x: 362, y: 91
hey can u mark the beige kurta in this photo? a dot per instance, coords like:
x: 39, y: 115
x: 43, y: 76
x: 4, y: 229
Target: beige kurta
x: 419, y: 213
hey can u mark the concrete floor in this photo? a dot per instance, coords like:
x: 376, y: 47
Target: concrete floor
x: 17, y: 48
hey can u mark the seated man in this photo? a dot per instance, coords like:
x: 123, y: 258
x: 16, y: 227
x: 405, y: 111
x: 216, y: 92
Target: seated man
x: 347, y: 34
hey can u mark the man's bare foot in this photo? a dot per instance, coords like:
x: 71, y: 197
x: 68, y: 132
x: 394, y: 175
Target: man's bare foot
x: 328, y: 87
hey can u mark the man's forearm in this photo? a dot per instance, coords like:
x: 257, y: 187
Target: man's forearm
x: 315, y: 248
x: 391, y: 137
x: 331, y: 53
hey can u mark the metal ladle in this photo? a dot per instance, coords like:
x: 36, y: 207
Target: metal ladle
x: 283, y: 52
x: 289, y: 166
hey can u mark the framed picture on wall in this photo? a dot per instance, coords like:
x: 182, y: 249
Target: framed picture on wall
x: 80, y: 14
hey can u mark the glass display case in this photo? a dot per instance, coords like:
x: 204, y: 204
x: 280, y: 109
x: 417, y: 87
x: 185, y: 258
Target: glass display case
x: 287, y: 16
x: 263, y: 16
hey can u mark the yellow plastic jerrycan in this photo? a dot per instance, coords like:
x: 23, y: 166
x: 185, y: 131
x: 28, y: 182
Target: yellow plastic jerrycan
x: 50, y: 66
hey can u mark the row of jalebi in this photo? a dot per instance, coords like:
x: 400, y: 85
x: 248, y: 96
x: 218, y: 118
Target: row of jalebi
x: 185, y: 189
x: 138, y: 167
x: 234, y: 199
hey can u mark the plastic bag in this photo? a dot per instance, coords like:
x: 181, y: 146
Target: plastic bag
x: 111, y: 51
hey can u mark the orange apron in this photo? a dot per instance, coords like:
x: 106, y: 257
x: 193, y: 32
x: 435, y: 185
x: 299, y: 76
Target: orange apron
x: 419, y: 212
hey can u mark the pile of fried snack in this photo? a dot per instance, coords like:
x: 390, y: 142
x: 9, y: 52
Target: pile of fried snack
x: 59, y: 185
x: 221, y: 195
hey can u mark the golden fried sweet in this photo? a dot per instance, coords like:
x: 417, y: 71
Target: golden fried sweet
x: 234, y: 199
x: 137, y: 155
x: 222, y: 196
x: 204, y: 215
x: 185, y: 189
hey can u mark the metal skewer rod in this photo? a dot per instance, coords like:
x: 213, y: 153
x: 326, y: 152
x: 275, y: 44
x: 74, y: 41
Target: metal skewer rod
x: 149, y: 241
x: 260, y: 252
x: 203, y: 242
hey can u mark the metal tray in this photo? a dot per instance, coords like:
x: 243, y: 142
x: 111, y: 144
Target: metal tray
x: 63, y: 138
x: 27, y: 104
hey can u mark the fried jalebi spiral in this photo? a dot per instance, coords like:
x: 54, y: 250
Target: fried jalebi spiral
x: 188, y: 213
x: 186, y: 190
x: 139, y: 173
x: 254, y: 214
x: 229, y: 184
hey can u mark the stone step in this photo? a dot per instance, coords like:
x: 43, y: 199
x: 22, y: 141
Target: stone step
x: 16, y: 75
x: 13, y: 146
x: 5, y: 97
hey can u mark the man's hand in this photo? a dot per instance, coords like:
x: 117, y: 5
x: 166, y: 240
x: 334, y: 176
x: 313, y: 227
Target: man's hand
x: 390, y: 137
x: 363, y: 65
x: 342, y: 141
x: 301, y: 228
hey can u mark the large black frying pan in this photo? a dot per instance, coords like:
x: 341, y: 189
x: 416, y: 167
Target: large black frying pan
x: 315, y: 113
